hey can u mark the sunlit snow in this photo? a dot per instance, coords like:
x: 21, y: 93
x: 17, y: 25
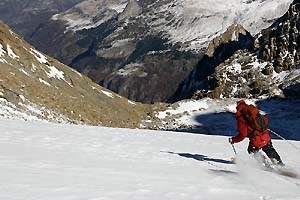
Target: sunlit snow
x: 51, y: 161
x: 85, y: 15
x: 193, y: 19
x: 2, y: 51
x: 55, y: 73
x: 11, y: 53
x: 39, y: 56
x: 107, y: 93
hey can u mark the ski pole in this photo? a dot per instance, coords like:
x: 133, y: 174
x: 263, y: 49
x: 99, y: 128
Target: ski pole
x: 233, y: 149
x: 284, y: 139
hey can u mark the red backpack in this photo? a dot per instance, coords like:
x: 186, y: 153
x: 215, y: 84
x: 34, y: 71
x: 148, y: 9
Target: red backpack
x: 253, y: 118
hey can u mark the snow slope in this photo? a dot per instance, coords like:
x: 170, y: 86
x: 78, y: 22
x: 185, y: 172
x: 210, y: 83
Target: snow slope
x: 191, y: 22
x: 90, y: 13
x: 53, y: 161
x: 197, y: 22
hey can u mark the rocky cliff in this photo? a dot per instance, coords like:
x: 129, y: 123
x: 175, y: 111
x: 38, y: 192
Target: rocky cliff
x: 268, y: 67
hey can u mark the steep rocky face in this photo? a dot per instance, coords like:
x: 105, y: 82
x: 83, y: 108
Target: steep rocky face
x: 24, y: 16
x: 269, y: 67
x: 34, y: 84
x: 153, y: 79
x: 203, y: 77
x: 279, y: 44
x: 163, y: 40
x: 132, y: 9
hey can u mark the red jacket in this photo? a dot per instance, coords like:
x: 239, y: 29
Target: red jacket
x: 243, y: 130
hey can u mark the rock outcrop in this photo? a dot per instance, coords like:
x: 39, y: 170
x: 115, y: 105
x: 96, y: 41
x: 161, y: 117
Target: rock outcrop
x: 132, y: 9
x: 204, y: 77
x: 264, y: 66
x: 279, y: 44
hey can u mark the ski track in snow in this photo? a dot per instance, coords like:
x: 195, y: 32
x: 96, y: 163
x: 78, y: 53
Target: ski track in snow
x: 41, y: 160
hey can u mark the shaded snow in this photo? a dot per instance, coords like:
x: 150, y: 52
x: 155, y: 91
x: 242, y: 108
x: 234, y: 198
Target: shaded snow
x: 217, y: 116
x: 187, y: 106
x: 129, y: 69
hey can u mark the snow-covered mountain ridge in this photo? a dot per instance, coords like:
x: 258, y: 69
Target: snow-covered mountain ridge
x: 196, y: 23
x: 34, y: 86
x: 90, y: 14
x: 149, y: 39
x: 193, y: 23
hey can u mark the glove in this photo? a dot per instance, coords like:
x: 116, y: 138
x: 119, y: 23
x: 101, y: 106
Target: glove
x: 230, y: 140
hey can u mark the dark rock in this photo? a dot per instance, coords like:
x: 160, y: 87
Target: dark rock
x: 203, y: 77
x: 268, y: 70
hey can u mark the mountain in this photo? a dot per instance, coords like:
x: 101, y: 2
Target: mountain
x: 35, y: 86
x: 265, y: 65
x: 144, y: 49
x: 24, y: 16
x: 51, y: 161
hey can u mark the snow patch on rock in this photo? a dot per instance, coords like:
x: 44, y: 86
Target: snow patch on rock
x: 2, y: 51
x: 11, y: 53
x: 55, y: 73
x: 39, y: 56
x: 107, y: 93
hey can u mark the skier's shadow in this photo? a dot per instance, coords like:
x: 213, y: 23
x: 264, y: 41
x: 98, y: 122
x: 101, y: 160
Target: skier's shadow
x: 200, y: 157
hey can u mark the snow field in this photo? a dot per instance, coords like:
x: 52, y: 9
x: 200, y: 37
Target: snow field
x: 40, y: 160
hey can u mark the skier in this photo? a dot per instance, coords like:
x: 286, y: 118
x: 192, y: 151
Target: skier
x: 256, y: 141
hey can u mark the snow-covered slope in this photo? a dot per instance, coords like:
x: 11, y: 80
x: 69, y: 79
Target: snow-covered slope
x: 63, y: 162
x: 197, y: 22
x: 192, y: 22
x: 90, y: 14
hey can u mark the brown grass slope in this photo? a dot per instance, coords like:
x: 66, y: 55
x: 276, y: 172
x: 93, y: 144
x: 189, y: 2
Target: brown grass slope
x: 30, y: 79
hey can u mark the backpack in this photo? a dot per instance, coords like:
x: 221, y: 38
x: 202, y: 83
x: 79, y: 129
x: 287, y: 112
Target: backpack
x: 253, y: 118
